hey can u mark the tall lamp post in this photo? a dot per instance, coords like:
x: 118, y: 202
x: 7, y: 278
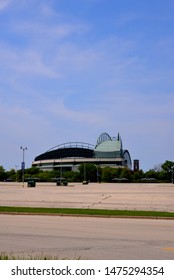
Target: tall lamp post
x: 16, y: 169
x: 84, y: 172
x: 172, y: 170
x: 23, y: 163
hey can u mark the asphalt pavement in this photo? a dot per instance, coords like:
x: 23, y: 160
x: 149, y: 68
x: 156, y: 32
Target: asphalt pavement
x: 88, y: 237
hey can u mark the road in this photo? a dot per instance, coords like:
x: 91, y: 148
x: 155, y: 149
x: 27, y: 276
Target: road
x: 87, y: 238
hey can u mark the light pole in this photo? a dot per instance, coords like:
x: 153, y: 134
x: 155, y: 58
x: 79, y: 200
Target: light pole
x: 23, y: 163
x: 85, y: 172
x: 172, y: 171
x: 16, y: 169
x: 61, y: 169
x: 98, y: 181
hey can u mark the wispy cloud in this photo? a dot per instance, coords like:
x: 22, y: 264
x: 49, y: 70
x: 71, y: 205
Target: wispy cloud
x: 23, y: 62
x: 127, y: 18
x: 56, y: 31
x: 66, y: 76
x: 58, y: 110
x: 4, y: 4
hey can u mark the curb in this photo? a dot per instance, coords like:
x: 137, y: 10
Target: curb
x: 84, y: 216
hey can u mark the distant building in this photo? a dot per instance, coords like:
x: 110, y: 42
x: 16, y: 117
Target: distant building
x: 108, y: 151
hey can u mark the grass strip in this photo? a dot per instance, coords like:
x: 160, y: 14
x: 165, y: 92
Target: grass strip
x: 84, y: 212
x: 10, y: 256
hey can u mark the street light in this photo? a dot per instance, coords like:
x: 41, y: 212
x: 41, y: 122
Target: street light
x: 84, y: 172
x: 61, y: 169
x: 23, y: 163
x: 172, y: 171
x: 16, y: 169
x: 98, y: 181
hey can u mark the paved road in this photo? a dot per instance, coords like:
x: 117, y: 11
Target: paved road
x: 87, y: 238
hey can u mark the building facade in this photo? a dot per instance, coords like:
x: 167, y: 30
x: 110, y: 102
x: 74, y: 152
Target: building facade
x: 108, y: 151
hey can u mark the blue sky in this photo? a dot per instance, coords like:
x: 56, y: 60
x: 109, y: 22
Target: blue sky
x: 72, y: 69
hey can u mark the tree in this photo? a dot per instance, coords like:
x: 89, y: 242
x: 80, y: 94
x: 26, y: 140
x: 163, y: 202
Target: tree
x: 126, y: 173
x: 168, y: 167
x: 33, y: 170
x: 72, y: 176
x: 88, y: 172
x: 157, y: 167
x: 152, y: 174
x: 117, y: 172
x: 2, y: 173
x: 11, y: 174
x: 162, y: 176
x: 45, y: 176
x: 107, y: 174
x: 137, y: 175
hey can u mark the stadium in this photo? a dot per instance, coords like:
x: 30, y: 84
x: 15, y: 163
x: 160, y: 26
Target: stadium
x: 108, y: 151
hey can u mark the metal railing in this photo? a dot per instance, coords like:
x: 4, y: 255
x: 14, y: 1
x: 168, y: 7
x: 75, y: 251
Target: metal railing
x: 73, y: 145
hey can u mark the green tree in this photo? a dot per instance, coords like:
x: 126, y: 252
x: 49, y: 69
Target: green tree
x: 137, y: 175
x: 107, y: 174
x: 72, y: 176
x: 88, y: 172
x: 45, y: 176
x: 168, y: 167
x: 116, y: 172
x: 163, y: 176
x: 3, y: 175
x: 11, y: 174
x: 32, y: 170
x: 152, y: 174
x: 126, y: 173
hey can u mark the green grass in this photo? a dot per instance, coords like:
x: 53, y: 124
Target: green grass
x: 11, y: 256
x: 84, y: 212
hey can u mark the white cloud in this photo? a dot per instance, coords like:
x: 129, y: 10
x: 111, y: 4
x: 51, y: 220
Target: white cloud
x: 23, y: 62
x: 127, y: 18
x: 48, y: 11
x: 22, y: 126
x: 56, y: 31
x: 4, y: 4
x: 85, y: 118
x: 64, y: 80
